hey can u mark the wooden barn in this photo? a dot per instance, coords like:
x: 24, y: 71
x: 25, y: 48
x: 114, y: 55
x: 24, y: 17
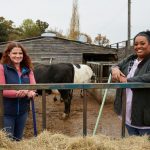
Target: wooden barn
x: 51, y: 49
x: 57, y: 50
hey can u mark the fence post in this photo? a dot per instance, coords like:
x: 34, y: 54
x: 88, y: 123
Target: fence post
x: 101, y: 73
x: 123, y: 113
x: 43, y: 109
x: 84, y: 113
x: 1, y: 109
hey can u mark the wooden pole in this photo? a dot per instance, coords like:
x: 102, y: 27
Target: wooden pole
x: 123, y: 113
x: 129, y: 28
x: 43, y: 109
x: 84, y: 113
x: 1, y: 110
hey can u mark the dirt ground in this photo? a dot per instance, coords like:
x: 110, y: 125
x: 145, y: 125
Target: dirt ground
x: 109, y: 123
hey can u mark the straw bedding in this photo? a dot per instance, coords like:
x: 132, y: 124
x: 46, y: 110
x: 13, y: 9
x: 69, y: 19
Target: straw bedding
x: 49, y: 141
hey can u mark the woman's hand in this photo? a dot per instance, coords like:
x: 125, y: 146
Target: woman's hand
x: 21, y: 93
x: 117, y: 74
x: 31, y: 94
x: 24, y: 93
x: 123, y: 79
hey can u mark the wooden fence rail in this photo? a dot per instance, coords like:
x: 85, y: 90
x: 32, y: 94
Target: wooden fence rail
x: 85, y: 86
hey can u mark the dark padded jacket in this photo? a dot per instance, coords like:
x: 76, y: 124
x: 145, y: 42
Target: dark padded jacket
x: 16, y: 106
x: 140, y: 111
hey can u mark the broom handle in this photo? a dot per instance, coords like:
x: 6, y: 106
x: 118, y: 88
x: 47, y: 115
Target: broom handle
x: 34, y: 117
x: 102, y: 105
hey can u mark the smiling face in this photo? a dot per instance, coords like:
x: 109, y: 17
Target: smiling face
x: 141, y: 46
x: 16, y: 55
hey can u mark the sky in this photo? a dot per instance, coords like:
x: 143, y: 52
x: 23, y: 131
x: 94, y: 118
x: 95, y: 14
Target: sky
x: 105, y: 17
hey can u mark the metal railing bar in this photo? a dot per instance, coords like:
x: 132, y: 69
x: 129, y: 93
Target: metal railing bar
x: 74, y: 86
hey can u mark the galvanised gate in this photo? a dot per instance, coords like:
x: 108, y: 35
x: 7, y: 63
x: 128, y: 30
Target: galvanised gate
x: 101, y: 70
x: 85, y: 86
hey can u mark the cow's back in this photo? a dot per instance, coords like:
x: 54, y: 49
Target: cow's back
x: 83, y: 73
x: 54, y: 73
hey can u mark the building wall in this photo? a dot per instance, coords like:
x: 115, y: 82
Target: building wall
x: 122, y: 53
x: 60, y: 50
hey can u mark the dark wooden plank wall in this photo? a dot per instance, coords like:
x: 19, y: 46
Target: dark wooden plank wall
x: 63, y: 50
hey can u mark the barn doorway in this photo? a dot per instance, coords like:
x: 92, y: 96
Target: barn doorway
x: 98, y: 57
x: 100, y: 64
x: 1, y: 55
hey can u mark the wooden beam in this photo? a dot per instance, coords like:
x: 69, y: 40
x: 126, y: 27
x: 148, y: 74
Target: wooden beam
x: 1, y: 109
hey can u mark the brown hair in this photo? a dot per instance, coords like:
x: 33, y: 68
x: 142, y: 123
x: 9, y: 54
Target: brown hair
x: 26, y: 62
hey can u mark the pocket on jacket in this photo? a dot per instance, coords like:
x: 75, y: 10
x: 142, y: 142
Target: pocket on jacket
x: 147, y: 117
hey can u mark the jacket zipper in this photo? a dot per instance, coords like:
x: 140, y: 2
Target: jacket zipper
x: 18, y: 98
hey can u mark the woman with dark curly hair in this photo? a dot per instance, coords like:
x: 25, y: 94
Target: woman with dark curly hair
x: 16, y: 68
x: 135, y: 68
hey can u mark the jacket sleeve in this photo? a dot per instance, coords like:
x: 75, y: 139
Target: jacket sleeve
x: 119, y: 65
x: 6, y: 93
x: 141, y: 78
x: 145, y: 77
x: 32, y: 78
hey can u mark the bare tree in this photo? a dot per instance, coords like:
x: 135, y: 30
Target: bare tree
x: 101, y: 40
x: 57, y: 32
x: 74, y: 25
x: 88, y: 38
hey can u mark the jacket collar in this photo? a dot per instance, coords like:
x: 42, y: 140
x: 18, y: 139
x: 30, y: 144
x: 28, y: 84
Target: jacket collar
x: 134, y: 56
x: 24, y: 69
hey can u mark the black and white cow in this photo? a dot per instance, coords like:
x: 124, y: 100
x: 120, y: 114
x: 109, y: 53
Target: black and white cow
x: 63, y: 73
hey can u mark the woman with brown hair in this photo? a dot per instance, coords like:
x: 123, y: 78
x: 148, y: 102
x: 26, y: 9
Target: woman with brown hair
x: 16, y: 68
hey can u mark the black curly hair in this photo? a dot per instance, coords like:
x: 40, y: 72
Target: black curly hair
x: 144, y: 33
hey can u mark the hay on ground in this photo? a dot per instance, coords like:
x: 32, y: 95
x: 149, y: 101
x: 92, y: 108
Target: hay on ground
x: 49, y: 141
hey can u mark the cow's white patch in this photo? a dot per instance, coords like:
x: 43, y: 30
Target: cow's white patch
x: 55, y: 91
x: 82, y: 74
x: 56, y: 94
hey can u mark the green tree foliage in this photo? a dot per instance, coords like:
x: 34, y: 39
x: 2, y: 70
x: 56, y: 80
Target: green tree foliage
x: 31, y: 29
x: 3, y: 33
x: 42, y: 25
x: 6, y: 27
x: 27, y: 29
x: 101, y: 40
x: 16, y: 34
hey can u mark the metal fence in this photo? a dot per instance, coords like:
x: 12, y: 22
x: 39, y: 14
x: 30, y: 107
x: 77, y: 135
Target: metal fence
x: 101, y: 70
x: 85, y: 86
x: 122, y: 44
